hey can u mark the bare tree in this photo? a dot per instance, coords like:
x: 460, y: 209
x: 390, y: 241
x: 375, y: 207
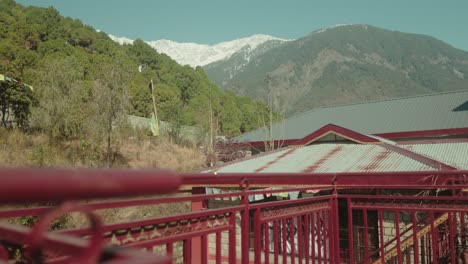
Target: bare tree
x: 109, y: 106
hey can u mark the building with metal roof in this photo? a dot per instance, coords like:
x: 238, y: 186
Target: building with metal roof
x: 353, y: 152
x: 431, y: 115
x: 421, y: 133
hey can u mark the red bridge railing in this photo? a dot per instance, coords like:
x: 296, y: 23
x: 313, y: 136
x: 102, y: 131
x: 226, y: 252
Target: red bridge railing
x: 404, y: 217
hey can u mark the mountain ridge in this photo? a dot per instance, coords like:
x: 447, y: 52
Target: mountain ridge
x: 345, y: 64
x: 194, y: 54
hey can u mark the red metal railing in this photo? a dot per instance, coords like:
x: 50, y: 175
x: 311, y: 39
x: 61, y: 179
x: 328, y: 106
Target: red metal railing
x: 407, y: 217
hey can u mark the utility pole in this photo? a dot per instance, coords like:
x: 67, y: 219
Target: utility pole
x: 155, y: 125
x: 271, y: 143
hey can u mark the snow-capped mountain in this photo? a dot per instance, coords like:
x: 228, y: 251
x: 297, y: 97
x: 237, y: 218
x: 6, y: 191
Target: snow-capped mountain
x: 194, y: 54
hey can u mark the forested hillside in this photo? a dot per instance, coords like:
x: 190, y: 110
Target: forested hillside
x: 67, y: 61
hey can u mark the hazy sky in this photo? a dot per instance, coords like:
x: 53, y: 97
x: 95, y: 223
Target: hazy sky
x: 212, y: 21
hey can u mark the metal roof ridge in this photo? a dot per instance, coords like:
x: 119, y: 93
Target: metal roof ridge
x: 214, y: 169
x: 339, y: 131
x: 439, y: 165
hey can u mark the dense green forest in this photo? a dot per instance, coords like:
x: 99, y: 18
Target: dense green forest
x: 75, y: 70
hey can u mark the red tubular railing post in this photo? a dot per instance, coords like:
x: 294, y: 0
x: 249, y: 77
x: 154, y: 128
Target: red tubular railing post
x: 366, y: 237
x: 257, y: 237
x: 331, y: 232
x: 336, y: 226
x: 313, y: 235
x: 463, y: 229
x: 300, y: 239
x: 232, y: 238
x: 452, y: 223
x: 350, y: 231
x: 219, y: 245
x: 319, y: 236
x: 187, y: 251
x: 434, y: 239
x: 197, y: 243
x: 204, y: 249
x: 169, y: 249
x: 266, y: 228
x: 307, y: 238
x: 382, y: 240
x: 292, y: 236
x: 398, y: 238
x: 276, y: 240
x: 415, y: 238
x: 245, y: 223
x: 284, y: 241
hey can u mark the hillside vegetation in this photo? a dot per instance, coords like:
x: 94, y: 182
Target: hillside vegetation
x: 344, y: 64
x: 85, y: 84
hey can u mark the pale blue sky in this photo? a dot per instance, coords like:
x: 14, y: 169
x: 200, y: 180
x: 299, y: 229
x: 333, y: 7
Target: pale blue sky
x: 212, y: 21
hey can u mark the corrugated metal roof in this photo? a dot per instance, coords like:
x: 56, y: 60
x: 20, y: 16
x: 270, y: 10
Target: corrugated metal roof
x: 454, y: 154
x: 328, y: 157
x: 429, y: 112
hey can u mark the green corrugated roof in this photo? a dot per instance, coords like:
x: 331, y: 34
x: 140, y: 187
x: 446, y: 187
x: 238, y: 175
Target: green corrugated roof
x: 417, y: 113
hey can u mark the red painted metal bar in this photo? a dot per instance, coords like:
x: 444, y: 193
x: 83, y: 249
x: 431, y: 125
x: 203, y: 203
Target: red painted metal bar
x: 350, y: 231
x: 307, y: 237
x: 398, y: 238
x: 72, y: 246
x: 415, y: 238
x: 452, y: 224
x: 463, y: 229
x: 204, y: 249
x: 67, y: 184
x: 300, y: 238
x: 332, y: 237
x: 218, y: 247
x: 387, y: 180
x: 388, y: 243
x: 326, y: 234
x: 160, y: 220
x: 232, y: 239
x: 284, y: 242
x: 313, y: 235
x: 381, y: 233
x: 433, y: 236
x: 322, y: 210
x: 257, y: 236
x: 366, y: 237
x: 175, y: 238
x: 266, y: 230
x: 276, y: 241
x: 245, y: 222
x: 319, y: 236
x: 336, y: 236
x: 169, y: 249
x: 292, y: 237
x: 406, y: 197
x: 187, y: 247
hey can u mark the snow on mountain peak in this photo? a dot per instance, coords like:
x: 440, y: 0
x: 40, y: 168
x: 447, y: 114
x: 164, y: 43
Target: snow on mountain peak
x: 120, y: 40
x: 194, y: 54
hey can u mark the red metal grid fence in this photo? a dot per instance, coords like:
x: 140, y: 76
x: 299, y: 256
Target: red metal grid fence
x: 406, y: 217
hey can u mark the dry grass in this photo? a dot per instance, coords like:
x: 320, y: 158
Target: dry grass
x: 162, y: 154
x: 137, y: 213
x: 18, y: 149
